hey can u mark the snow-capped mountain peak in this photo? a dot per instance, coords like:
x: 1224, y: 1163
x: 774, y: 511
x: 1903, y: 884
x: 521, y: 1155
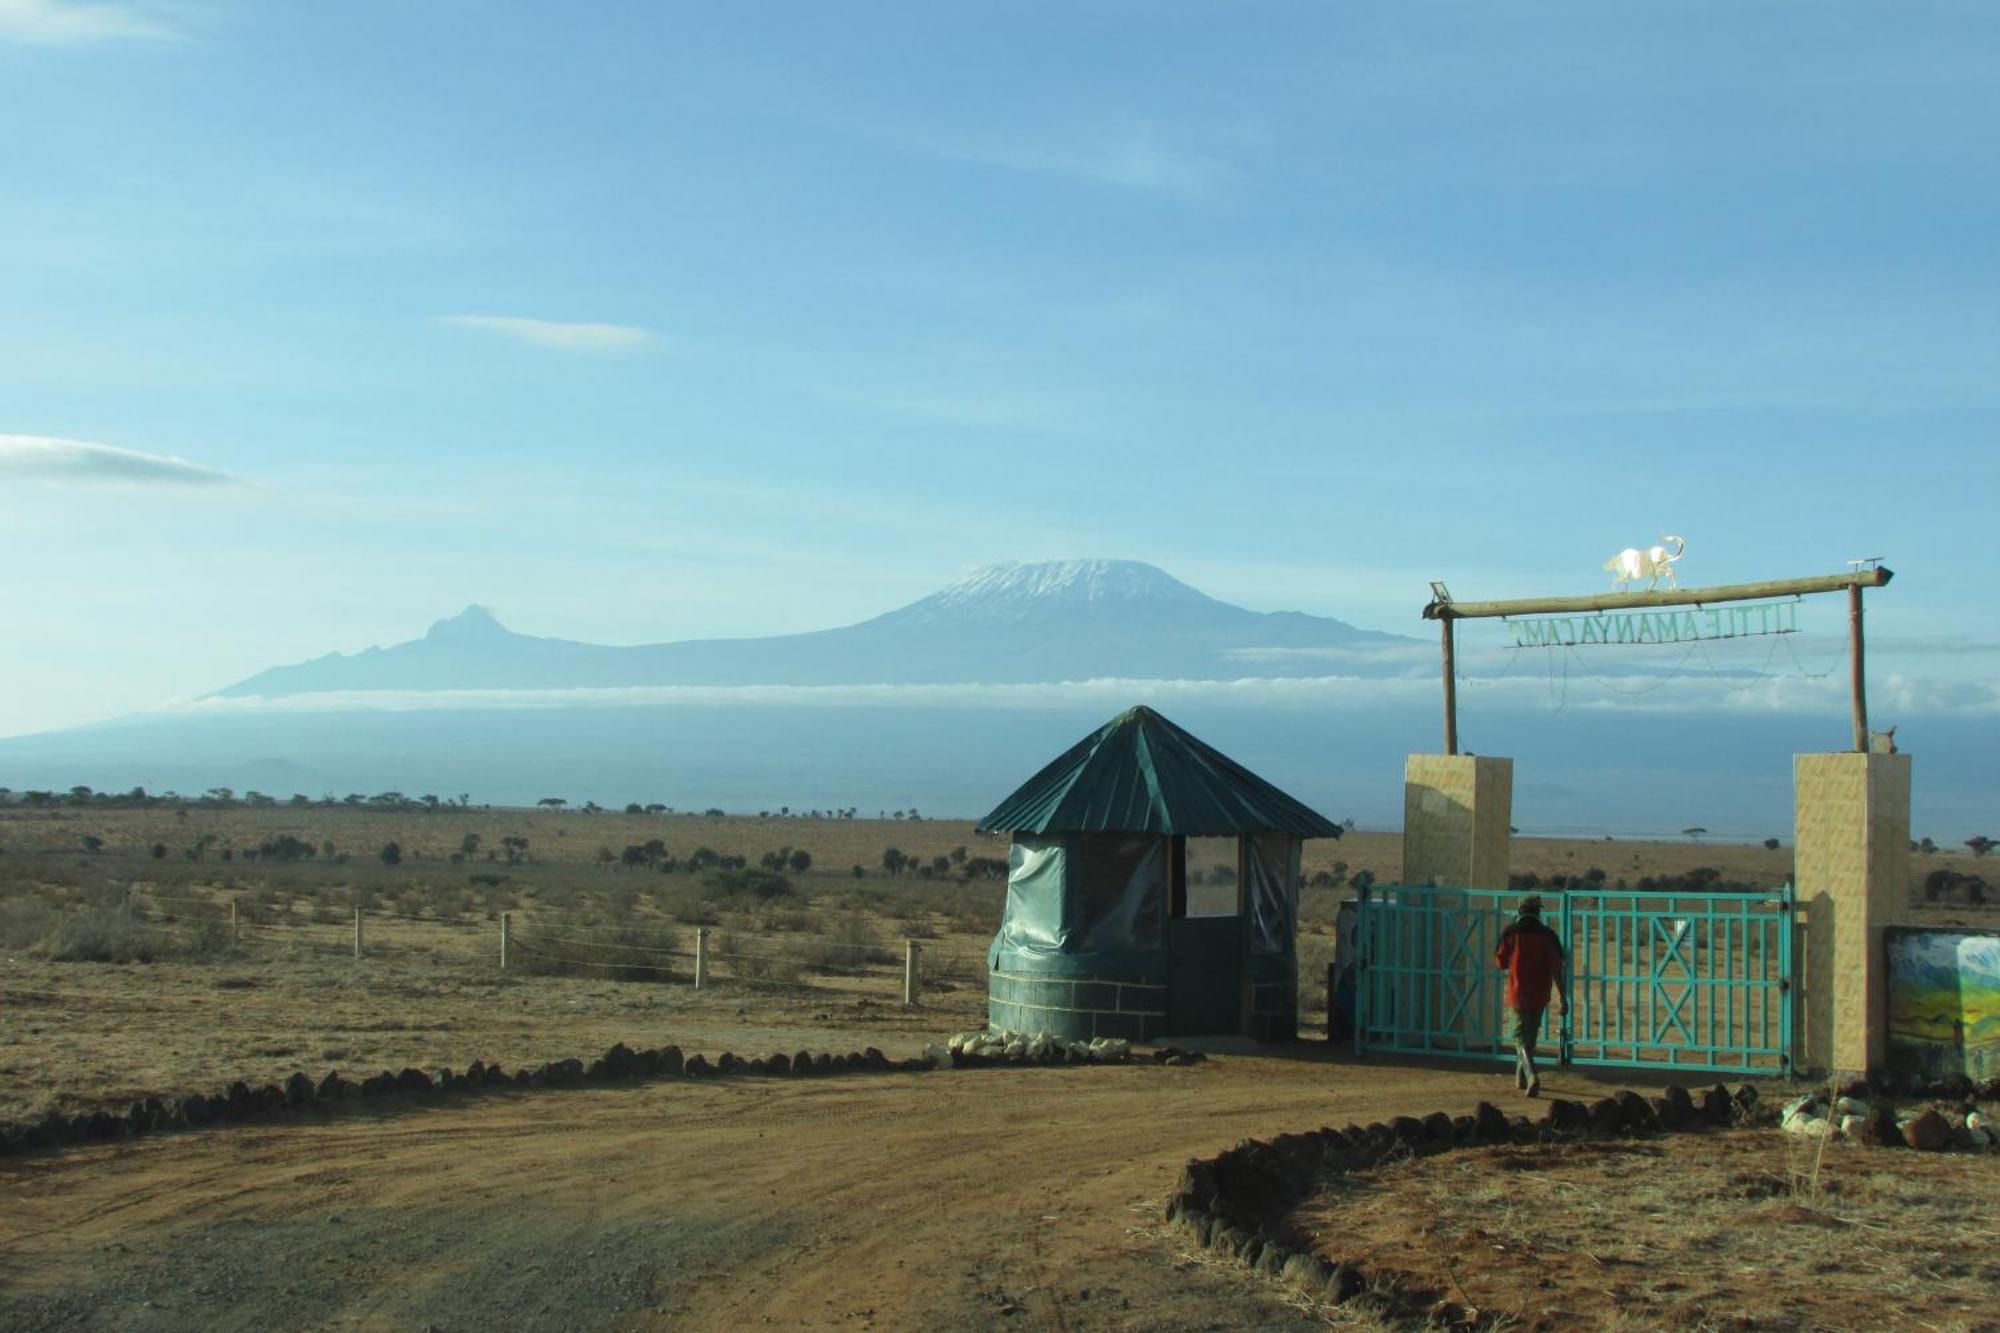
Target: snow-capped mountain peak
x: 1020, y: 590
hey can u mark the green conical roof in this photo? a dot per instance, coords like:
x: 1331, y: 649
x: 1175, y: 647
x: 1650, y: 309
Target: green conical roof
x: 1139, y: 773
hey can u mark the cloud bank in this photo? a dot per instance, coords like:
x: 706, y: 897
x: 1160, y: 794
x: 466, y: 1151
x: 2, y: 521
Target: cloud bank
x: 78, y: 463
x: 567, y: 337
x: 55, y: 23
x: 1896, y: 694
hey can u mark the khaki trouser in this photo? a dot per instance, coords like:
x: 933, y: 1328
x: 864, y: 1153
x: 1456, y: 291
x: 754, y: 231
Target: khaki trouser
x: 1527, y: 1029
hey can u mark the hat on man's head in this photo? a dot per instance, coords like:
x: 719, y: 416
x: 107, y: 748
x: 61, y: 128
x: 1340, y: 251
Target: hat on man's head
x: 1531, y: 905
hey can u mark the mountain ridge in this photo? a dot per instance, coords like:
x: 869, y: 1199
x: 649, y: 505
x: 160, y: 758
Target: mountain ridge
x: 1019, y: 622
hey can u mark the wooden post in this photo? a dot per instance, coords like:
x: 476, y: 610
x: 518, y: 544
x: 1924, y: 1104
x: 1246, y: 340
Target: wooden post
x: 506, y: 937
x: 913, y: 954
x: 1856, y: 670
x: 700, y: 957
x: 1445, y: 610
x: 235, y: 930
x: 357, y: 932
x: 1450, y: 690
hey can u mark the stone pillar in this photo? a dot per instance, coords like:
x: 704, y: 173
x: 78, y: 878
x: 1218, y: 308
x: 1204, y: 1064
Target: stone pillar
x: 1852, y: 870
x: 1457, y: 812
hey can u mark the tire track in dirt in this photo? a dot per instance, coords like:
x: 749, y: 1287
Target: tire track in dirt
x: 943, y: 1200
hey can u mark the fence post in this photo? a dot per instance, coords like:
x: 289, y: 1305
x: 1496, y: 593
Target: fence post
x: 506, y: 937
x: 357, y: 932
x: 913, y: 954
x: 1565, y: 1029
x: 1363, y: 978
x: 700, y: 957
x: 235, y: 930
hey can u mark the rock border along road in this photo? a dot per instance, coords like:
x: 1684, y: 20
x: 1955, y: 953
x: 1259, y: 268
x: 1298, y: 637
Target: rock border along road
x: 958, y: 1199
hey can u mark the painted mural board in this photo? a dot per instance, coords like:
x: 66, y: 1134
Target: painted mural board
x: 1944, y: 1002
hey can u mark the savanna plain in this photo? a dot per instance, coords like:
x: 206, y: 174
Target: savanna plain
x: 170, y: 947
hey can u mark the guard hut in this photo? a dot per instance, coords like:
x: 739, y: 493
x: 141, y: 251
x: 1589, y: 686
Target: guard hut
x: 1152, y: 891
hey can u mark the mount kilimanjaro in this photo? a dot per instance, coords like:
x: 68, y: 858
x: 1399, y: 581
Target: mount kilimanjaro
x: 473, y: 707
x: 1008, y: 624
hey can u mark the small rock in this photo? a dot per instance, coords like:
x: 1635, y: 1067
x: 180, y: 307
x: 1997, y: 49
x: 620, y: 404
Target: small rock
x: 1306, y: 1272
x: 1879, y: 1129
x: 1344, y: 1284
x: 1568, y: 1117
x: 1635, y: 1112
x: 1927, y: 1132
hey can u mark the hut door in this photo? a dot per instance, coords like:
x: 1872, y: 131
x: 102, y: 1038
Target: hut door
x: 1204, y: 975
x: 1205, y: 937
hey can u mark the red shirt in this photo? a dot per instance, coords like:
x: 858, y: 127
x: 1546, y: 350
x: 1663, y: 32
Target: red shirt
x: 1533, y: 959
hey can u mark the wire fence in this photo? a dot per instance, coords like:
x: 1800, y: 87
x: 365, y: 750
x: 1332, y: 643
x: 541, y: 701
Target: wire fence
x: 178, y: 926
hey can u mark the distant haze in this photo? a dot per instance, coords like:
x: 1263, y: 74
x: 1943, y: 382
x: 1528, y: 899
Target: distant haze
x: 1022, y: 623
x: 947, y: 703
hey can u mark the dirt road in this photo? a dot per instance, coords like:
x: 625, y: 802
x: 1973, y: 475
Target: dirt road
x: 963, y: 1199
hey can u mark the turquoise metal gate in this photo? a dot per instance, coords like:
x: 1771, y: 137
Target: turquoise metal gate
x: 1695, y: 981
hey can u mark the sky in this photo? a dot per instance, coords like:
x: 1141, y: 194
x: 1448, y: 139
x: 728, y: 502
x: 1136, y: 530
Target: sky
x: 641, y: 322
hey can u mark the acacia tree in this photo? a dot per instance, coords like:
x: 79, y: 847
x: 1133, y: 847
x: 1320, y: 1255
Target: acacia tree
x: 1980, y: 844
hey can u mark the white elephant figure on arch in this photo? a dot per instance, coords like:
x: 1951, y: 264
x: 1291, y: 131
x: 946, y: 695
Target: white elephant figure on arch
x: 1652, y: 564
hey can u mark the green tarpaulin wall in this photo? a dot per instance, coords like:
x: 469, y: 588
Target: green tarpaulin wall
x: 1093, y: 942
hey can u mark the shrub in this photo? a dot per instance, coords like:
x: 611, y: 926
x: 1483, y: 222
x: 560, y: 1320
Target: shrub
x: 25, y: 921
x: 285, y: 847
x: 113, y: 935
x: 569, y: 945
x: 753, y: 959
x: 743, y: 883
x: 847, y: 941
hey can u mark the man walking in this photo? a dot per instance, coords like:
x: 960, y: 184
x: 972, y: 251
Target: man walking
x: 1532, y: 957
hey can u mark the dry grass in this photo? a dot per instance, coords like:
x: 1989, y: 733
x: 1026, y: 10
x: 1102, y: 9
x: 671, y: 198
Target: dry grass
x: 1678, y: 1232
x: 121, y: 973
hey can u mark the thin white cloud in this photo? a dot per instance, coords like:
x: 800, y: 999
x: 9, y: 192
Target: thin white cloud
x: 1318, y: 694
x: 57, y: 23
x: 1132, y: 157
x: 564, y: 336
x: 78, y: 463
x: 1048, y: 413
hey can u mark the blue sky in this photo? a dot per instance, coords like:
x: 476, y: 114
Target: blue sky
x: 641, y: 322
